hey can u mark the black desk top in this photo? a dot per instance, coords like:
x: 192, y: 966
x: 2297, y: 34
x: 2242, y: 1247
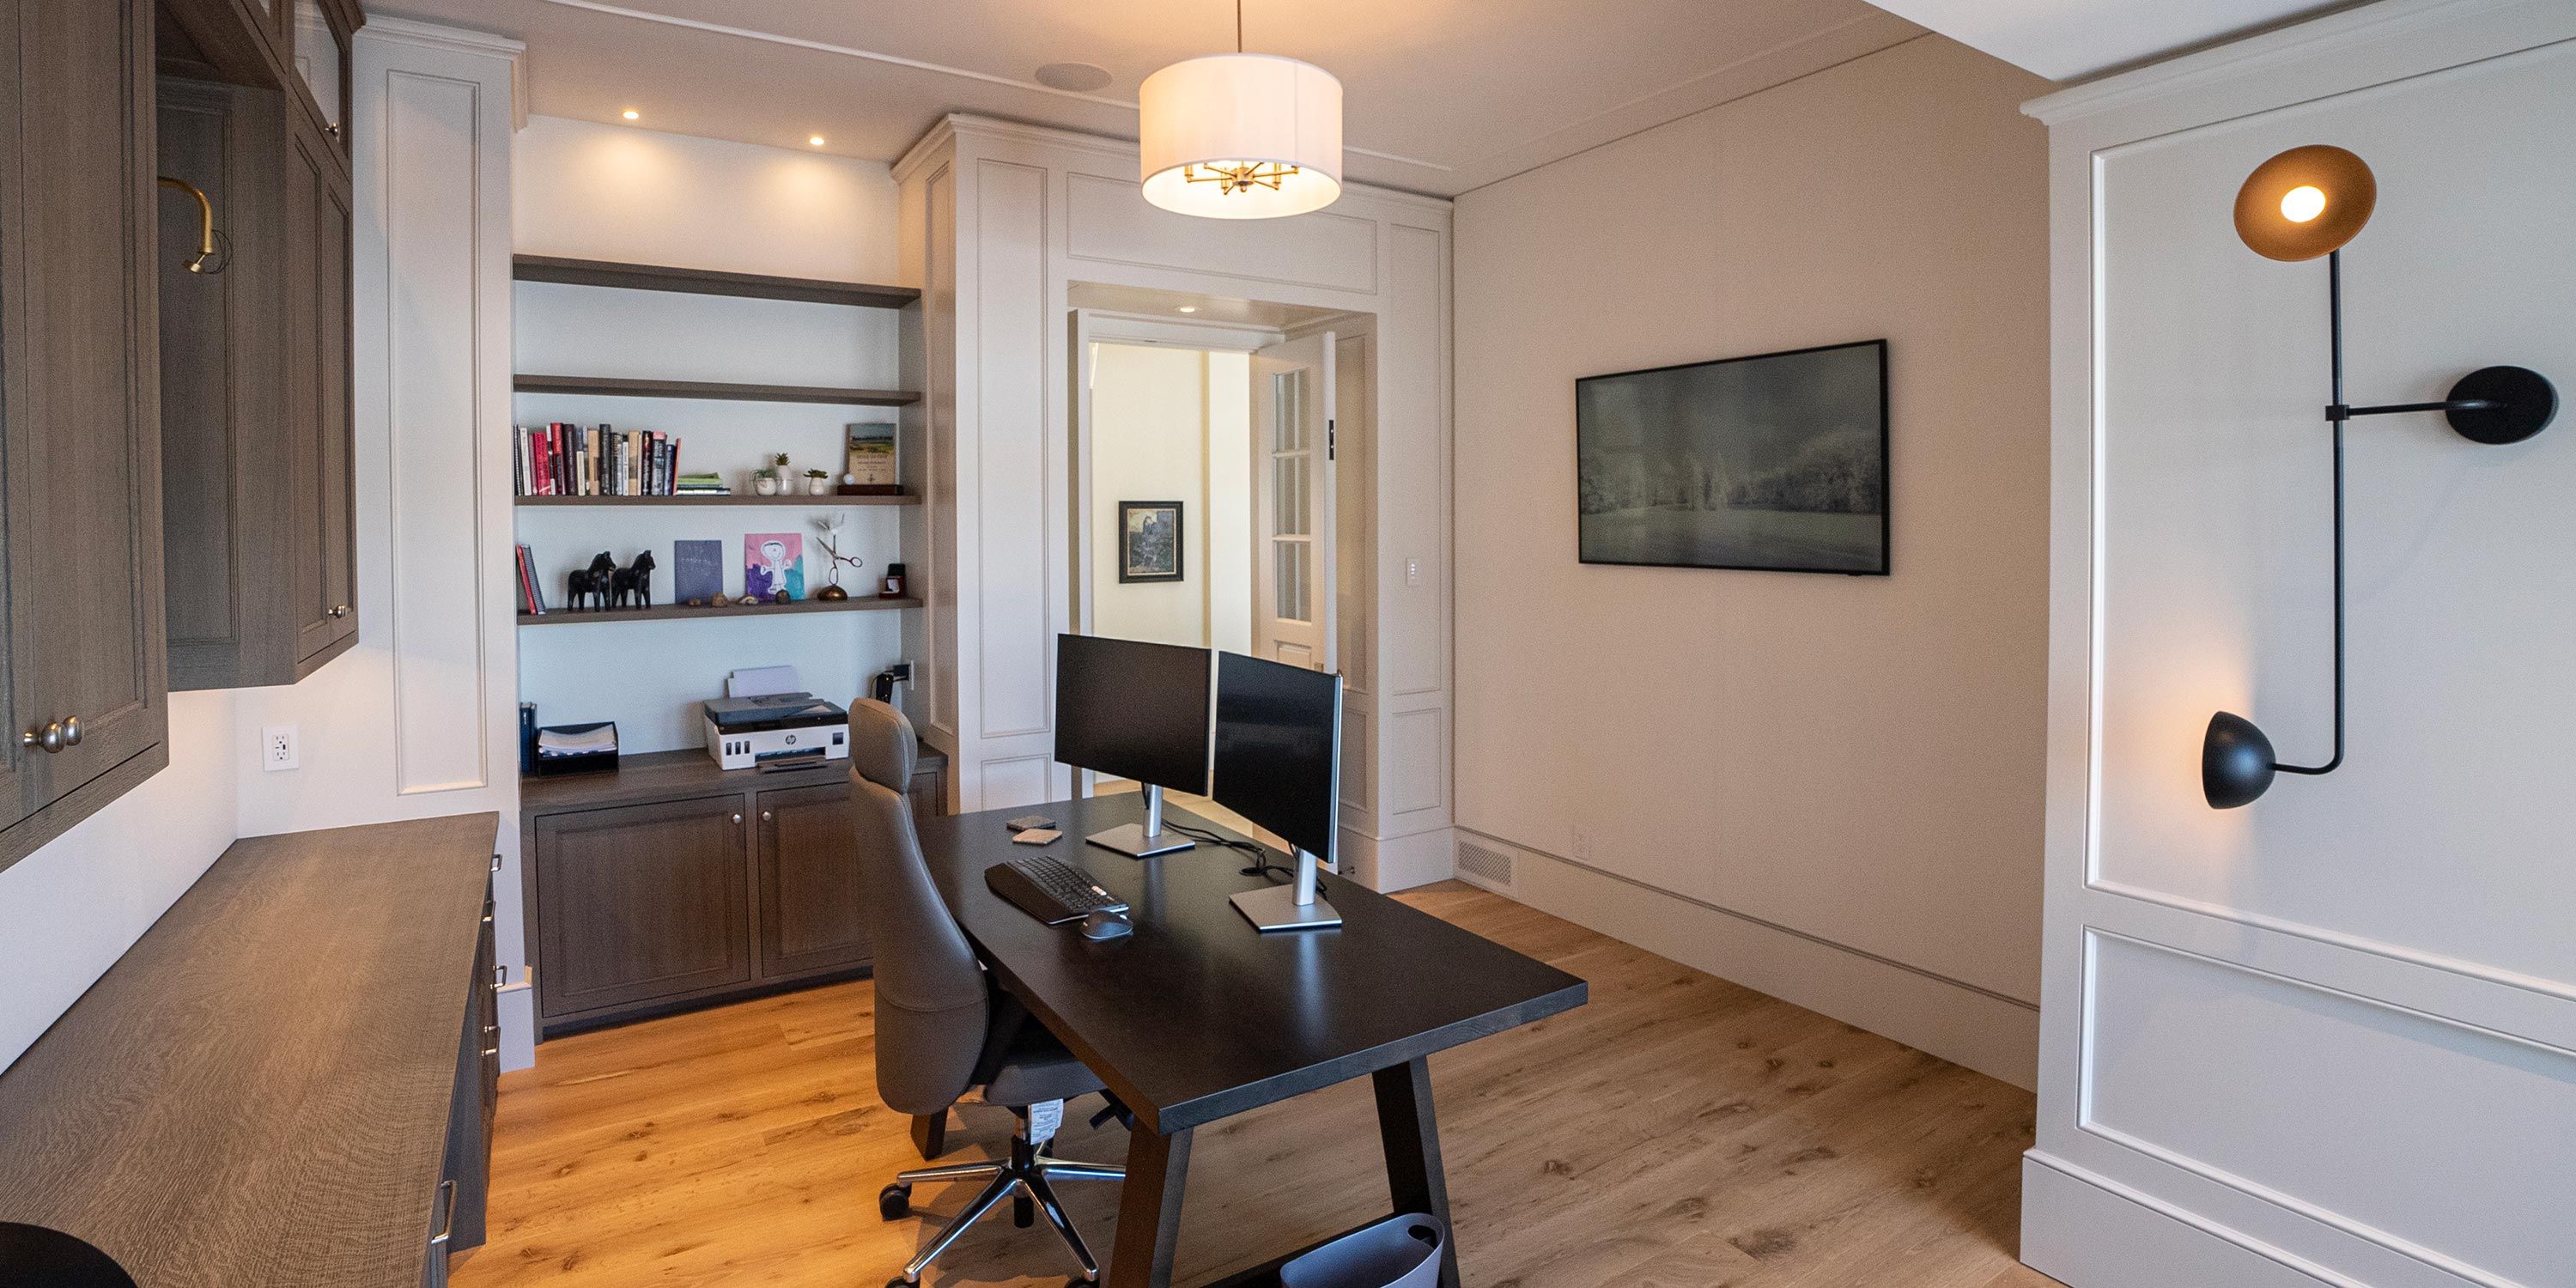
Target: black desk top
x: 1197, y: 1016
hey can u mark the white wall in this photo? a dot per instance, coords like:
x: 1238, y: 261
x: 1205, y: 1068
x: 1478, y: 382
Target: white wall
x: 1171, y: 424
x: 604, y: 192
x: 2329, y: 1037
x: 1749, y: 769
x: 70, y: 909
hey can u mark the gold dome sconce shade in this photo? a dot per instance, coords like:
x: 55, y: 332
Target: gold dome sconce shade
x: 2305, y: 202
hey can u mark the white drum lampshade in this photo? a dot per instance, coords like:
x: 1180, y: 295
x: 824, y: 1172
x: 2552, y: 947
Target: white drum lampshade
x: 1242, y: 136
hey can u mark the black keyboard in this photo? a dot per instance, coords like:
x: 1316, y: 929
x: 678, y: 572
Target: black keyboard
x: 1051, y: 890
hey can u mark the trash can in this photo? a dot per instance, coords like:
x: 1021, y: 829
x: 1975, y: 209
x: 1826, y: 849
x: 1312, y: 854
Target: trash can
x: 1399, y: 1252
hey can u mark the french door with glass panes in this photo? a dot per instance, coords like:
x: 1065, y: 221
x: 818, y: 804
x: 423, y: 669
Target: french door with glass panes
x: 1292, y: 488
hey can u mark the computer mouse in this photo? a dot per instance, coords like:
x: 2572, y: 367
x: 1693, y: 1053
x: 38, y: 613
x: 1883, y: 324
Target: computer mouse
x: 1106, y: 925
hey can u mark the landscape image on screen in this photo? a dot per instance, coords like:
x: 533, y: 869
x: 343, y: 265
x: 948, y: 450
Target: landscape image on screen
x: 1772, y: 462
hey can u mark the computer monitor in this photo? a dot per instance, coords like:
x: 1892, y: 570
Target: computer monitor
x: 1279, y: 764
x: 1139, y: 711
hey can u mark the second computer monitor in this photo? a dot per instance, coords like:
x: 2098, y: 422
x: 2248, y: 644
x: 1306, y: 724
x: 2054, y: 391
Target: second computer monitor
x: 1134, y: 710
x: 1279, y: 748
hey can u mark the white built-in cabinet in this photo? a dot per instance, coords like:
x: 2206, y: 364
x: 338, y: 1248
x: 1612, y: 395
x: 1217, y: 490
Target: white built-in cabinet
x: 1002, y: 224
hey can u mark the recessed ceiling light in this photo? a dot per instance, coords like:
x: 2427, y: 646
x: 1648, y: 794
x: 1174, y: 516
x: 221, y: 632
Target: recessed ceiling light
x: 1078, y: 78
x: 1189, y: 308
x: 633, y: 115
x: 816, y: 141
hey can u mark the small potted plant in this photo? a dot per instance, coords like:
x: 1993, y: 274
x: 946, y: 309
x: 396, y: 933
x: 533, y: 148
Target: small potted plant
x: 817, y: 483
x: 771, y: 478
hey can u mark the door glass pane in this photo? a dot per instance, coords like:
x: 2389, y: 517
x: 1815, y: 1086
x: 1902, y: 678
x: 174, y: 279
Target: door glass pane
x: 1289, y: 562
x: 1288, y: 412
x: 318, y: 57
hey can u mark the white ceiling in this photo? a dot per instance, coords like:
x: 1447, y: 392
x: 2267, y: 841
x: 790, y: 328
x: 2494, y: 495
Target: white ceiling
x: 1440, y: 96
x: 2070, y: 39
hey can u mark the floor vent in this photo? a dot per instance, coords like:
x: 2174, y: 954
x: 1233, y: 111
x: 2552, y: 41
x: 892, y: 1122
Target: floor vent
x: 1486, y: 864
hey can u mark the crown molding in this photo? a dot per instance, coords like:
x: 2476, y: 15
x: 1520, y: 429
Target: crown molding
x: 955, y: 125
x: 454, y: 40
x: 2254, y: 55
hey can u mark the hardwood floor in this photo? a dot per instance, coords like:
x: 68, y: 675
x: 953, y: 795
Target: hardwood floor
x: 1678, y: 1132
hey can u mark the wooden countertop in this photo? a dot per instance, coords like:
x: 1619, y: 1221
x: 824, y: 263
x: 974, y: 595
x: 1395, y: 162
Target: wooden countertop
x: 672, y: 775
x: 258, y: 1092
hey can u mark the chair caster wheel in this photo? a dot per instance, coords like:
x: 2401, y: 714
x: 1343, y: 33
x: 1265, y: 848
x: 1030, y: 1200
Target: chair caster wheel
x: 894, y: 1203
x: 901, y: 1283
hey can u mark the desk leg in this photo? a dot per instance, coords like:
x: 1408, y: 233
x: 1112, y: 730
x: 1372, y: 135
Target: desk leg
x: 1149, y: 1209
x: 1411, y: 1136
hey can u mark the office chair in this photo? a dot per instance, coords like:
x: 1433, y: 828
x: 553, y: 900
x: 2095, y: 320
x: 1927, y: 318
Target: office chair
x: 943, y: 1028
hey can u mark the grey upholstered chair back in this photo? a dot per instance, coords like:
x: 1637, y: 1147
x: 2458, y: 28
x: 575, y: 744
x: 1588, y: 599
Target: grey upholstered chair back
x: 932, y: 1007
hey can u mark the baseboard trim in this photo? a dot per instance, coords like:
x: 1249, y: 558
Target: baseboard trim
x: 1389, y: 864
x: 1990, y: 1032
x: 2086, y: 1230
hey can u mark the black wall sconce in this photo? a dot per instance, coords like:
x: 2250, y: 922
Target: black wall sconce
x: 2304, y: 203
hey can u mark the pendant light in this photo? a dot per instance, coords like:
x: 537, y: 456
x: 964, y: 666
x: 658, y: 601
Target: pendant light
x: 1241, y: 136
x: 2299, y: 205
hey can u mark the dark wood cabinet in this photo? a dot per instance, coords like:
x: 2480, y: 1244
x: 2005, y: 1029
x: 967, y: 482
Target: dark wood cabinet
x: 466, y: 1181
x: 255, y: 375
x: 809, y: 899
x: 80, y: 503
x: 643, y: 902
x: 672, y: 883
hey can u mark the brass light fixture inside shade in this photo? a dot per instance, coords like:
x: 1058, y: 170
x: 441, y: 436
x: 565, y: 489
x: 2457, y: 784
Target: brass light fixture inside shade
x: 2333, y: 184
x: 1240, y: 135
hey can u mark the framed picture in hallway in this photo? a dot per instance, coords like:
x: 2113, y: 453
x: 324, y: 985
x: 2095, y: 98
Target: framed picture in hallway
x: 1149, y: 541
x: 1774, y: 462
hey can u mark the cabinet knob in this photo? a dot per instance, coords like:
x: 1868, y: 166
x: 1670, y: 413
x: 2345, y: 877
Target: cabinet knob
x: 737, y: 818
x: 72, y: 732
x: 764, y: 816
x: 49, y: 737
x: 332, y: 130
x: 338, y: 612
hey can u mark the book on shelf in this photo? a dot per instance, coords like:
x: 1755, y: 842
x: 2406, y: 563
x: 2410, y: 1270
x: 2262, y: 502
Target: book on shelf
x: 595, y: 460
x: 532, y: 599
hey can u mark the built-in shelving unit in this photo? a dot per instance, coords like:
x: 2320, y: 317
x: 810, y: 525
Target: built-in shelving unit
x: 729, y: 498
x: 628, y: 387
x: 674, y: 612
x: 700, y: 281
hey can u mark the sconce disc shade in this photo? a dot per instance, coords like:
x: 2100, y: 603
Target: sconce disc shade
x: 2350, y: 194
x: 2236, y: 762
x: 2525, y: 404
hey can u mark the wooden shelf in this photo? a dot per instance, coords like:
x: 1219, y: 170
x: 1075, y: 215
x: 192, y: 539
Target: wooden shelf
x: 675, y: 612
x: 742, y: 498
x: 701, y: 281
x: 624, y: 387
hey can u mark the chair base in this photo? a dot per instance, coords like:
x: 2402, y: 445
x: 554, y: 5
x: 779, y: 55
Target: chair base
x: 1024, y: 1175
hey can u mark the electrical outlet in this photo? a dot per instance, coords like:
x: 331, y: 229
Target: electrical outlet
x: 901, y: 671
x: 1582, y: 842
x: 277, y: 748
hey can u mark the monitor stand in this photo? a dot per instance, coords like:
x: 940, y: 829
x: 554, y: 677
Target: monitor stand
x: 1146, y: 840
x: 1295, y: 906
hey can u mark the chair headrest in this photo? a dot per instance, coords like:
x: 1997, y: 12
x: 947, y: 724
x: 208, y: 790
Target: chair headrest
x: 882, y: 746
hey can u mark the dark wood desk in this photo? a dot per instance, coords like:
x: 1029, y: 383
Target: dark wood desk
x: 1197, y: 1016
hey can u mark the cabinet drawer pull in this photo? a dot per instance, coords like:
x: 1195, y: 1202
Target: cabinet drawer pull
x: 491, y: 1051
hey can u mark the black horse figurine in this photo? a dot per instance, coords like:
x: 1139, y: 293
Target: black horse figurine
x: 636, y: 580
x: 591, y: 583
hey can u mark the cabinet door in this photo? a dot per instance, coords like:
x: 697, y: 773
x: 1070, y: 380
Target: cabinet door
x: 641, y: 902
x: 809, y: 882
x: 323, y: 531
x: 80, y: 362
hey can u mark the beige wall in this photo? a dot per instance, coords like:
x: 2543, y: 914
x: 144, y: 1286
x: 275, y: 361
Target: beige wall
x: 1174, y: 424
x: 1761, y: 761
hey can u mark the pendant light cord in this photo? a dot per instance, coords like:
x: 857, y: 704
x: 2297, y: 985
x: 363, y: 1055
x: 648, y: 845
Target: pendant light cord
x: 1238, y: 26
